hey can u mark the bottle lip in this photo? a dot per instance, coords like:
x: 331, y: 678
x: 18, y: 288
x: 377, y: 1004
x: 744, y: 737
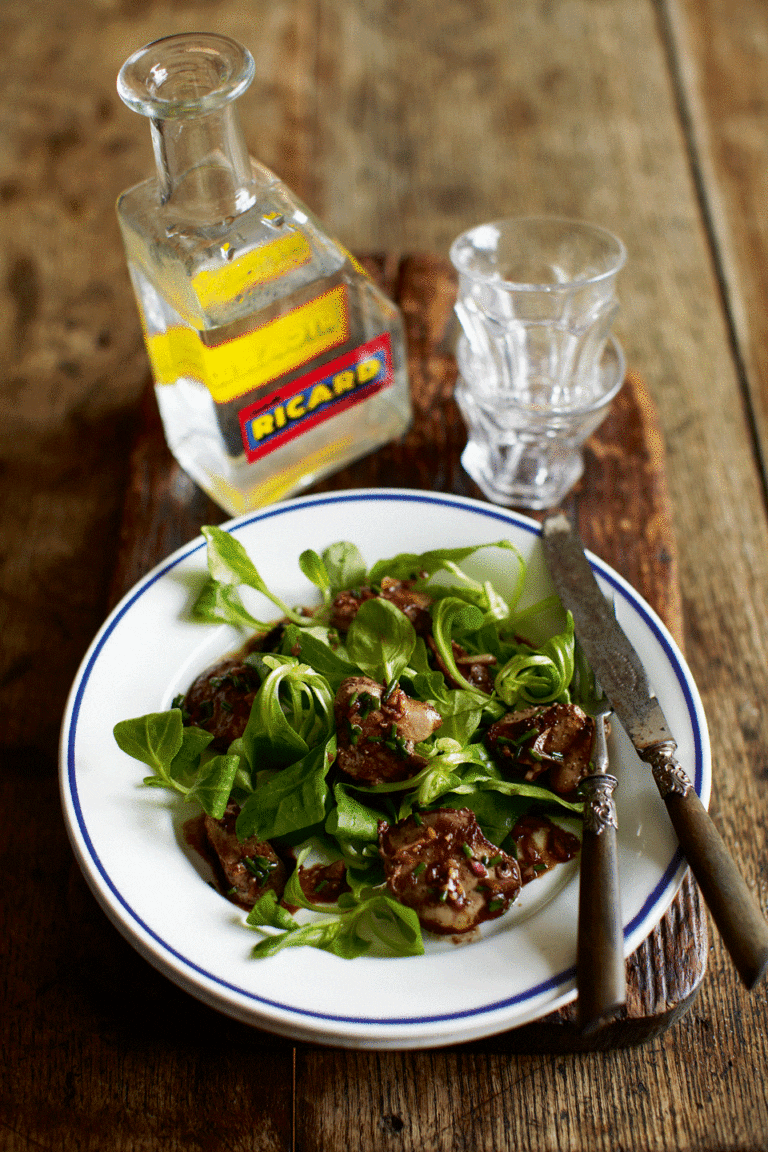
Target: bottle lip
x: 186, y: 75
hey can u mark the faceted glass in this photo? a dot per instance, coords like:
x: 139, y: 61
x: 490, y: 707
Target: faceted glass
x: 538, y: 367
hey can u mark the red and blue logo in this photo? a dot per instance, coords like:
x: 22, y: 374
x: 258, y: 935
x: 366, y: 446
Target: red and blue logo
x: 304, y: 403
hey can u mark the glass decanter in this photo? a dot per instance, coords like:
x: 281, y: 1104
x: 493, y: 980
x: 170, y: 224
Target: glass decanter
x: 276, y: 359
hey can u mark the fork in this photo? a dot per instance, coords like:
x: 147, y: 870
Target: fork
x: 600, y: 970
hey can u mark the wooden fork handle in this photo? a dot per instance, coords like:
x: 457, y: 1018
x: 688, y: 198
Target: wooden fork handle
x: 600, y: 971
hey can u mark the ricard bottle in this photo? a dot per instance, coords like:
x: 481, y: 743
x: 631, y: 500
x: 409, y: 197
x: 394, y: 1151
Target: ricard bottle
x: 276, y: 359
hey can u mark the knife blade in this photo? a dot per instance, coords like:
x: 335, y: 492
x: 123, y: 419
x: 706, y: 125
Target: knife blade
x: 622, y: 676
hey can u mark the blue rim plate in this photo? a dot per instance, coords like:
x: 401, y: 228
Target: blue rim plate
x: 130, y: 844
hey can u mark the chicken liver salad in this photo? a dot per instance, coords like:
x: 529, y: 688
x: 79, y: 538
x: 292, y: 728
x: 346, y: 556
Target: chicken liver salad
x: 402, y: 758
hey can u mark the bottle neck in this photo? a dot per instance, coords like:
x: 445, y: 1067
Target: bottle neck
x: 203, y: 167
x: 187, y: 85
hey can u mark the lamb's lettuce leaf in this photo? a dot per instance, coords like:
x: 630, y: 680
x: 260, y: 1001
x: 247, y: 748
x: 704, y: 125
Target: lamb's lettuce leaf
x: 175, y: 754
x: 380, y: 640
x: 539, y: 676
x: 291, y: 800
x: 376, y: 918
x: 291, y: 713
x: 230, y: 567
x: 451, y: 618
x: 345, y: 567
x: 267, y: 911
x: 319, y: 655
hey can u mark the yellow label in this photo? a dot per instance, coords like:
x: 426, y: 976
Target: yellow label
x: 240, y: 365
x: 220, y: 285
x: 355, y: 263
x: 178, y: 352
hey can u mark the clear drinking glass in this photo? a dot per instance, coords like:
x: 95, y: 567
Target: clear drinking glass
x: 538, y: 367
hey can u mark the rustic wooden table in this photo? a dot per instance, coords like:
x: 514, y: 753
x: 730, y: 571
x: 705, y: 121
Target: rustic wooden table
x: 401, y: 124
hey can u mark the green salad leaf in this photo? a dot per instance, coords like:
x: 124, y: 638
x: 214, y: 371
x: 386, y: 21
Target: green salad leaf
x: 319, y: 655
x: 213, y: 785
x: 541, y: 676
x: 230, y: 566
x: 291, y: 713
x: 345, y: 567
x: 291, y: 800
x: 315, y: 570
x: 268, y: 912
x: 222, y: 604
x: 358, y: 921
x: 381, y: 640
x: 453, y: 617
x: 160, y: 741
x: 421, y: 566
x: 281, y: 769
x: 376, y: 918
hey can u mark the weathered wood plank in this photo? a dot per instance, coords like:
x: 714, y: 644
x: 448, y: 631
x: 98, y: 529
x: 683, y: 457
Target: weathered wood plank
x: 719, y: 60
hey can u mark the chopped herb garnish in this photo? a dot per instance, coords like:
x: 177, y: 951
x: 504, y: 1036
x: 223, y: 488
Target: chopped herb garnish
x: 260, y: 867
x: 517, y: 741
x: 355, y: 732
x: 389, y: 690
x: 368, y: 704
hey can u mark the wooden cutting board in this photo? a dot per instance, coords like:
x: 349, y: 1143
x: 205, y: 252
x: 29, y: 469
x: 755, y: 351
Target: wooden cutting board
x: 622, y: 512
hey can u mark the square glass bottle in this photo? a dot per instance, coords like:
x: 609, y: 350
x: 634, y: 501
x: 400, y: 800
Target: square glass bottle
x: 276, y: 359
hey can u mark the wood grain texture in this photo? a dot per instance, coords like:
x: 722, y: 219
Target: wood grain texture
x: 719, y: 60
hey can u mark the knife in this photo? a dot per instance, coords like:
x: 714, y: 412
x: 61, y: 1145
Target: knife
x: 617, y: 666
x: 600, y: 970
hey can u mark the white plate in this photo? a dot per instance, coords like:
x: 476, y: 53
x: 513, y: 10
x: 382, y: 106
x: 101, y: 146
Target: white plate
x: 129, y: 842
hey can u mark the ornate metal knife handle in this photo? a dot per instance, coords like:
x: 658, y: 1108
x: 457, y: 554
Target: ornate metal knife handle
x: 669, y: 776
